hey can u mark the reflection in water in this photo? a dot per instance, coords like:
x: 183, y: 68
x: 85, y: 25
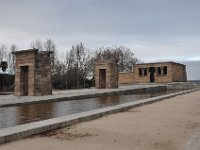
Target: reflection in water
x: 30, y: 113
x: 15, y: 115
x: 108, y: 100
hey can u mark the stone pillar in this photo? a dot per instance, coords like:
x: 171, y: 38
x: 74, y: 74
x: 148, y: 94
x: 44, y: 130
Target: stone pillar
x: 32, y: 73
x: 106, y: 74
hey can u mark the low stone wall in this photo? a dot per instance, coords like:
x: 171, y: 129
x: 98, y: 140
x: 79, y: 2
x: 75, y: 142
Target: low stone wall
x: 183, y: 85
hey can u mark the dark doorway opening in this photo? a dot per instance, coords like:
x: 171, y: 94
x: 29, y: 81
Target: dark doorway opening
x: 102, y: 78
x: 152, y: 76
x: 24, y: 80
x: 165, y: 70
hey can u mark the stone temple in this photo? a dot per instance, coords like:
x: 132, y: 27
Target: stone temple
x: 33, y: 72
x: 161, y: 72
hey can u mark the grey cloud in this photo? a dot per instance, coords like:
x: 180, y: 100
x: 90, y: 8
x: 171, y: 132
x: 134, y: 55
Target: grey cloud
x: 156, y: 29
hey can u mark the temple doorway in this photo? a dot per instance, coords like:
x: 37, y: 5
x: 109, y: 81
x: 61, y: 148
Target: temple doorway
x: 102, y: 78
x: 152, y: 76
x: 24, y: 79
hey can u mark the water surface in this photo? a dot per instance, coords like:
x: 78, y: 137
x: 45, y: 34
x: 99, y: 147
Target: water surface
x: 22, y: 114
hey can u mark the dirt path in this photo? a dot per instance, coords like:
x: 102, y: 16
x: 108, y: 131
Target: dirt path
x: 166, y: 125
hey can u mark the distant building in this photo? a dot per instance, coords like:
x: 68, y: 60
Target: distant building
x: 161, y: 72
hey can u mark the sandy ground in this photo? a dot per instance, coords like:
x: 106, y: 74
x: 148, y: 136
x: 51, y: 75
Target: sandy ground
x: 166, y: 125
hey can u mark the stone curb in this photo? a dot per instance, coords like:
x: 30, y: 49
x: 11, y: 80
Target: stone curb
x: 26, y: 130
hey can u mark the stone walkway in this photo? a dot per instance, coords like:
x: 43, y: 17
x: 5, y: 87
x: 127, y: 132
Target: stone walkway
x: 6, y: 100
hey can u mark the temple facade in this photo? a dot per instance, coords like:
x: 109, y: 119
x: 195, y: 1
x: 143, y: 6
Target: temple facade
x: 161, y: 72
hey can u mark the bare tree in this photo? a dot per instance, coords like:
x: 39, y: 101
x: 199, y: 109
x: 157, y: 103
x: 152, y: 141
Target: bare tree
x: 68, y: 60
x: 37, y: 44
x: 3, y: 52
x: 84, y: 68
x: 49, y: 45
x: 81, y: 58
x: 69, y: 65
x: 124, y: 56
x: 77, y: 61
x: 11, y: 57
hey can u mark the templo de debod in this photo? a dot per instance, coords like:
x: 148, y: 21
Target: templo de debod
x: 33, y: 73
x: 160, y: 72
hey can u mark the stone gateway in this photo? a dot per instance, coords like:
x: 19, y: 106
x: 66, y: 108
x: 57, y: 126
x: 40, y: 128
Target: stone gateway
x: 106, y: 74
x: 33, y: 72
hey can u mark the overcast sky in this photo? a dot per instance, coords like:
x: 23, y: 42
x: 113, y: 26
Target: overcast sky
x: 154, y: 29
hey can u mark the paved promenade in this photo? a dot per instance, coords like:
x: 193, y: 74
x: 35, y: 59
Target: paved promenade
x: 68, y: 94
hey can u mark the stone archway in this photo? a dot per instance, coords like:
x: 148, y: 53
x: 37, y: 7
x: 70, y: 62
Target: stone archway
x: 106, y: 74
x: 32, y: 73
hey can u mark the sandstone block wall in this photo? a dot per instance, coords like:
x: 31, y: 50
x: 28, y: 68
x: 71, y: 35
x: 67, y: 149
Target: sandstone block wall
x: 179, y: 73
x: 43, y: 84
x: 165, y: 72
x: 106, y: 74
x: 32, y: 73
x: 175, y: 72
x: 126, y: 78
